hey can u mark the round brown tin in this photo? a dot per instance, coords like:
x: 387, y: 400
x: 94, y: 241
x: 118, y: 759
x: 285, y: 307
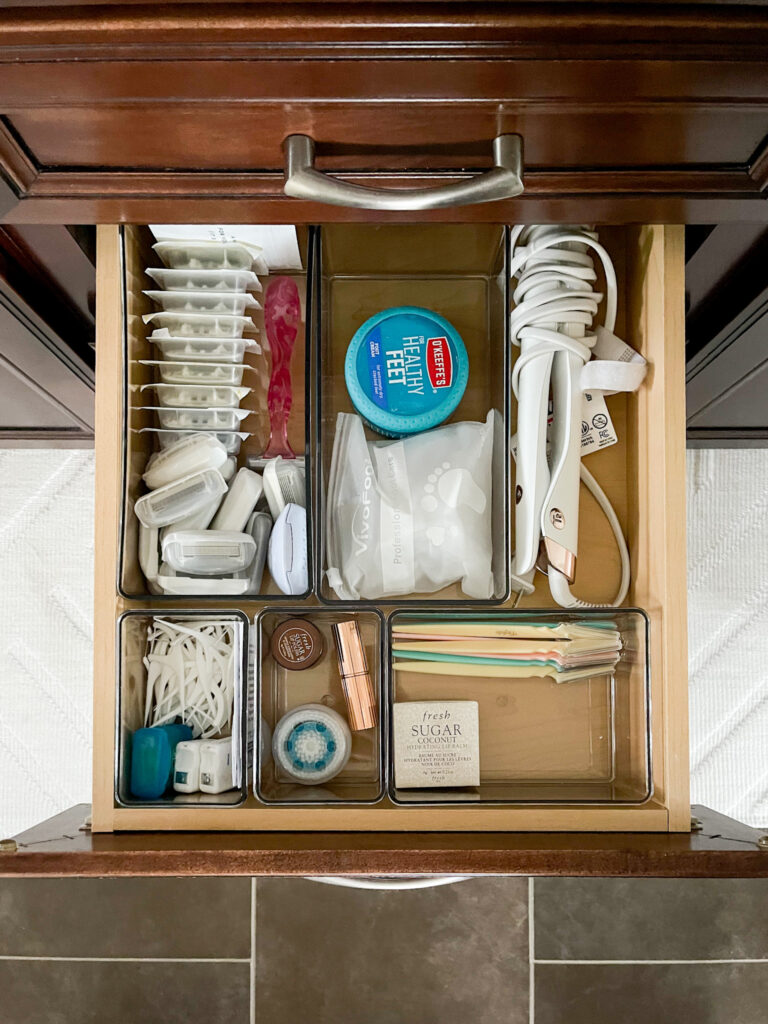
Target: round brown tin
x: 297, y: 644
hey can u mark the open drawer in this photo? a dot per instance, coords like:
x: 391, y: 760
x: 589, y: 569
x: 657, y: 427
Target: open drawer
x: 643, y: 476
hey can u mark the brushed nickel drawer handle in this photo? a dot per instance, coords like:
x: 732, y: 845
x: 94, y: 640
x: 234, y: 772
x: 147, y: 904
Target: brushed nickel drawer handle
x: 304, y: 181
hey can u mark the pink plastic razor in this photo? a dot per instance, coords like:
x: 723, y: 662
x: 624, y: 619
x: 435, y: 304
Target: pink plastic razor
x: 282, y: 317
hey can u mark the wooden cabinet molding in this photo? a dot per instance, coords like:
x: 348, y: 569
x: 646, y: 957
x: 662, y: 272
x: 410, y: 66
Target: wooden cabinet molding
x: 629, y: 112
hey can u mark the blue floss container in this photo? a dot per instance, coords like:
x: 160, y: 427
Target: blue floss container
x: 406, y: 370
x: 153, y: 752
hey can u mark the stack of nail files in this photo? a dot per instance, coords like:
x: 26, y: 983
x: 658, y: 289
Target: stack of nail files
x: 565, y: 651
x: 197, y: 536
x: 205, y: 298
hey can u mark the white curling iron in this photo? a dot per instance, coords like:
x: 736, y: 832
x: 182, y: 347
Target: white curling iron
x: 554, y: 307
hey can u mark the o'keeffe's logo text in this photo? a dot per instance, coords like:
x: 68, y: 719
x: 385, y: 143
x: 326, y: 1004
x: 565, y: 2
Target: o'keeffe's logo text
x: 439, y: 363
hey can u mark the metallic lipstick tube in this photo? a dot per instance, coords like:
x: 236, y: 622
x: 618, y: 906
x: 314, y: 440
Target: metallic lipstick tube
x: 355, y: 678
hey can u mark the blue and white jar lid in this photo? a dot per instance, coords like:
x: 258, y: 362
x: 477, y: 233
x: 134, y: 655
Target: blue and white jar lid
x: 406, y: 370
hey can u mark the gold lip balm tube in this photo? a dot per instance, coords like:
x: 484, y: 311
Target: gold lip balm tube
x: 355, y: 677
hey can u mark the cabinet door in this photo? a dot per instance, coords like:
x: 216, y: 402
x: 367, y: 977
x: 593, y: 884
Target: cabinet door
x: 46, y: 339
x: 624, y: 116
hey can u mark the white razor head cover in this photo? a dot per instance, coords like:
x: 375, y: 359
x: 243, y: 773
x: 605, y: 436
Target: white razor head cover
x: 242, y: 498
x: 288, y: 556
x: 208, y: 552
x: 149, y: 559
x: 190, y: 454
x: 179, y: 499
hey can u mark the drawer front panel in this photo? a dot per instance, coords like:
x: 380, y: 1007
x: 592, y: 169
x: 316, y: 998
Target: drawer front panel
x: 663, y: 118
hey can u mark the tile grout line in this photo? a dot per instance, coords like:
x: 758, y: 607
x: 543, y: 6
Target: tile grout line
x: 531, y: 955
x: 252, y: 1000
x: 133, y: 959
x: 652, y: 962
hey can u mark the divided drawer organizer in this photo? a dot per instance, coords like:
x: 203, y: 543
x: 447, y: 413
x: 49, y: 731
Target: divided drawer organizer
x: 608, y: 754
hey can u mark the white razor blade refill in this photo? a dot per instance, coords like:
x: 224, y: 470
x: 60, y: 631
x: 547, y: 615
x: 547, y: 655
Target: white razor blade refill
x: 180, y: 498
x: 197, y: 418
x: 197, y: 396
x: 199, y: 586
x: 242, y: 497
x: 191, y: 454
x: 284, y: 484
x: 208, y: 552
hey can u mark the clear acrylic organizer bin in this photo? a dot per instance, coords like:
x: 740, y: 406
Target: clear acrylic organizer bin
x: 542, y: 741
x: 280, y: 690
x: 143, y: 435
x: 132, y: 629
x: 462, y: 275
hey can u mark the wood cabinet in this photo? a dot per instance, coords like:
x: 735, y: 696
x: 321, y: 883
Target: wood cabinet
x: 629, y: 114
x: 46, y: 338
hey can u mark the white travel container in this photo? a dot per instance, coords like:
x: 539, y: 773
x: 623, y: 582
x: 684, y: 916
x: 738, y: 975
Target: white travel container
x: 198, y: 419
x: 208, y: 552
x: 231, y: 439
x: 202, y: 396
x: 200, y: 325
x: 204, y: 350
x: 205, y: 280
x: 178, y: 372
x: 191, y: 454
x: 174, y: 501
x: 182, y: 254
x: 242, y: 498
x: 233, y: 303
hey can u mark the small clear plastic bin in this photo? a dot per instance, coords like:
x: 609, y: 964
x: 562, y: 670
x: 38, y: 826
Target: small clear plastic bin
x: 586, y: 741
x: 184, y: 254
x: 280, y: 690
x: 176, y: 371
x: 200, y: 325
x: 204, y: 350
x: 199, y: 419
x: 205, y: 280
x: 463, y: 276
x: 132, y: 641
x: 233, y: 303
x: 203, y: 396
x: 231, y: 439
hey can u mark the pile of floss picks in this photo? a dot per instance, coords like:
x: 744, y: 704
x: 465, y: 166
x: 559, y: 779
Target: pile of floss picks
x: 190, y: 675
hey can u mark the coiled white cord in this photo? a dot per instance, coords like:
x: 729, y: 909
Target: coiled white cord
x: 555, y: 304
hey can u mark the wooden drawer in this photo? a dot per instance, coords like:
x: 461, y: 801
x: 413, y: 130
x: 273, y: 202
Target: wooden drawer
x: 644, y: 475
x: 626, y: 115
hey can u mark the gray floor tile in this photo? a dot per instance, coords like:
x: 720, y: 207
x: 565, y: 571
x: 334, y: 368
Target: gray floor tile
x: 448, y: 955
x: 658, y: 919
x: 81, y: 992
x: 133, y: 917
x: 700, y: 993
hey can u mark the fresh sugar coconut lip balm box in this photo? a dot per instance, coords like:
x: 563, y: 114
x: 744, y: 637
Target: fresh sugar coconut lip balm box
x: 436, y: 744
